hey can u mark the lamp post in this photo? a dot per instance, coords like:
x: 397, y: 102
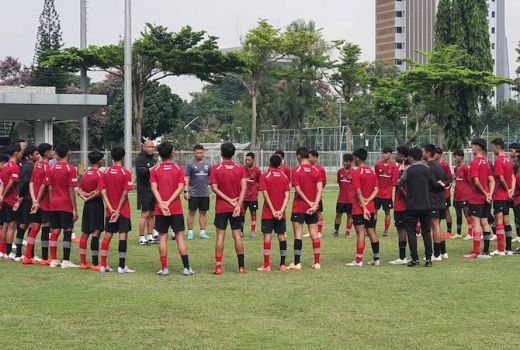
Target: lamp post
x: 83, y: 82
x: 128, y: 85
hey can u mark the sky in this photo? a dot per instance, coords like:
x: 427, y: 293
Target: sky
x: 350, y: 20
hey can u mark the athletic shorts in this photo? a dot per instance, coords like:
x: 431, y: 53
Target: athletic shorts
x: 320, y: 206
x: 302, y: 218
x: 399, y: 219
x: 359, y: 220
x: 41, y: 217
x: 222, y: 220
x: 122, y: 225
x: 343, y: 208
x: 251, y: 205
x: 93, y: 218
x: 1, y: 216
x: 383, y: 203
x: 163, y: 223
x: 481, y: 211
x: 9, y: 214
x: 448, y: 202
x: 460, y: 204
x: 145, y: 201
x: 438, y: 214
x: 501, y: 207
x: 61, y: 220
x: 198, y: 203
x: 24, y: 212
x: 511, y: 204
x: 517, y: 215
x: 270, y: 225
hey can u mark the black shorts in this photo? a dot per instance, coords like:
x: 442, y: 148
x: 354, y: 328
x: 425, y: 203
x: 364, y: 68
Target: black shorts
x: 383, y: 203
x: 1, y: 216
x: 399, y: 217
x: 438, y: 214
x: 9, y: 214
x: 61, y: 220
x: 343, y: 208
x: 501, y: 207
x: 481, y: 211
x: 305, y: 218
x: 198, y: 203
x: 251, y: 205
x: 24, y: 212
x: 517, y: 215
x: 511, y: 204
x: 122, y: 225
x: 359, y: 220
x: 222, y: 219
x: 145, y: 201
x: 448, y: 202
x: 93, y: 218
x: 460, y: 204
x: 41, y: 217
x: 163, y: 223
x: 320, y: 206
x: 270, y: 225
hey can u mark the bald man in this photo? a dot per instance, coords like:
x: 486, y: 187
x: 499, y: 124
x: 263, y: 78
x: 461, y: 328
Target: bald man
x: 145, y: 199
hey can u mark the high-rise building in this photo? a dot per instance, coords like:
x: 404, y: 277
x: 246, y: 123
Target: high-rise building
x: 499, y: 47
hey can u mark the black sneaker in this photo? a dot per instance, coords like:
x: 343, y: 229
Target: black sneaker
x: 428, y: 263
x: 413, y: 263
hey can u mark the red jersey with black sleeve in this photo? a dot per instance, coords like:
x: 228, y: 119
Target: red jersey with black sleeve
x: 227, y: 176
x: 60, y: 178
x: 502, y: 167
x: 253, y: 181
x: 11, y: 172
x: 480, y: 169
x: 168, y: 176
x: 346, y: 191
x: 115, y: 181
x: 285, y: 169
x: 40, y: 172
x: 462, y: 183
x: 91, y: 180
x: 400, y: 199
x: 447, y: 170
x: 385, y: 176
x: 276, y: 183
x: 307, y: 178
x: 323, y: 174
x: 364, y: 179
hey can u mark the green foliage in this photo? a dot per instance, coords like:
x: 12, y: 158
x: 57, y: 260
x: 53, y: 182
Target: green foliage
x: 444, y: 24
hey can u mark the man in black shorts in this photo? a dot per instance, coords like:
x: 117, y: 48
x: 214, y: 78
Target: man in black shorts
x: 145, y: 200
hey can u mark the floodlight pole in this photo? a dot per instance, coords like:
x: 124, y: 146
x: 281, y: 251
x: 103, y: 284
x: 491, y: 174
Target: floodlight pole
x: 83, y: 81
x: 128, y: 85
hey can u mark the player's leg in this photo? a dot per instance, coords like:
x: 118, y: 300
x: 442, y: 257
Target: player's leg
x: 94, y: 250
x: 312, y: 226
x: 410, y: 221
x: 123, y: 247
x: 191, y: 220
x: 508, y: 233
x: 56, y: 227
x: 3, y: 246
x: 163, y: 247
x: 444, y: 250
x: 458, y: 216
x: 221, y: 222
x: 110, y: 229
x: 437, y: 235
x: 203, y: 209
x: 370, y: 226
x: 282, y: 242
x: 83, y: 250
x: 321, y: 222
x: 45, y: 237
x: 337, y: 224
x: 399, y: 221
x: 68, y: 225
x: 469, y: 222
x: 425, y: 220
x: 150, y: 223
x: 20, y: 234
x: 253, y: 221
x: 31, y: 241
x: 297, y: 223
x: 516, y: 211
x: 500, y: 228
x: 359, y: 226
x: 475, y: 212
x: 235, y: 223
x: 387, y: 222
x: 349, y: 223
x: 449, y: 220
x: 266, y: 267
x: 178, y: 227
x: 9, y: 238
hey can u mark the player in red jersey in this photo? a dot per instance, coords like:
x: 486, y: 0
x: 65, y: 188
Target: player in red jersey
x: 505, y: 183
x: 385, y: 171
x: 167, y: 180
x: 401, y: 158
x: 61, y: 181
x: 313, y: 159
x: 365, y: 183
x: 482, y: 188
x: 308, y: 185
x: 253, y: 175
x: 514, y: 156
x: 4, y: 158
x: 345, y: 196
x: 461, y: 194
x: 284, y: 168
x: 275, y: 187
x: 9, y: 200
x: 116, y: 183
x: 447, y: 193
x: 93, y: 218
x: 228, y: 182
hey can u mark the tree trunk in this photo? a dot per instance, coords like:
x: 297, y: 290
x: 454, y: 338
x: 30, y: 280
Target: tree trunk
x: 253, y: 119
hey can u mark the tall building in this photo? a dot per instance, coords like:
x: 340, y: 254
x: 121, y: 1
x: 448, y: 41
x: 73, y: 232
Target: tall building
x: 499, y: 47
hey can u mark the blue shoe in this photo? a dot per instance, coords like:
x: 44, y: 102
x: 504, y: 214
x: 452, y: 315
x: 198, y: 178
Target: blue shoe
x: 204, y: 236
x: 190, y: 236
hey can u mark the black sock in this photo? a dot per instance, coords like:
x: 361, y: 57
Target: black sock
x: 509, y: 238
x: 487, y: 240
x: 443, y: 247
x: 8, y: 248
x: 122, y: 253
x: 436, y: 249
x: 20, y: 232
x: 94, y: 250
x: 375, y: 250
x: 241, y: 262
x: 283, y: 251
x: 402, y: 250
x: 298, y: 244
x: 448, y: 225
x: 185, y: 261
x: 67, y: 244
x: 336, y: 227
x: 459, y: 225
x: 45, y: 242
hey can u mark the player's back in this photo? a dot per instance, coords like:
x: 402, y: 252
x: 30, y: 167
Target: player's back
x: 306, y: 177
x: 228, y: 177
x: 62, y: 176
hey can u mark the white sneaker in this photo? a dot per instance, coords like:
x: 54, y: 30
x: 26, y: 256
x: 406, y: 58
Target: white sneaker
x: 456, y: 236
x: 24, y: 243
x: 36, y: 259
x: 484, y: 256
x: 468, y: 238
x: 11, y: 256
x: 516, y: 239
x: 73, y: 236
x: 439, y: 258
x: 399, y: 262
x: 354, y: 264
x: 149, y: 238
x: 444, y: 256
x: 494, y: 237
x: 18, y: 258
x: 125, y: 270
x: 375, y: 262
x: 67, y: 264
x: 293, y: 266
x: 163, y: 272
x: 143, y: 241
x: 509, y: 252
x: 306, y: 235
x: 105, y: 269
x: 187, y: 272
x: 155, y: 234
x: 497, y: 253
x: 55, y: 263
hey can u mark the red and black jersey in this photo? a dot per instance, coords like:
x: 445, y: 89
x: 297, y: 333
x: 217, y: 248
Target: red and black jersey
x: 115, y: 181
x: 502, y: 167
x: 480, y: 169
x: 60, y: 178
x: 168, y: 176
x: 227, y: 176
x: 462, y: 183
x: 253, y: 181
x: 276, y: 183
x: 346, y: 190
x: 385, y: 175
x: 307, y: 178
x: 364, y: 179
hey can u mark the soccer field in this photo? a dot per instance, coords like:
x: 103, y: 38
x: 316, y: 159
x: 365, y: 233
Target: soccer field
x: 456, y: 304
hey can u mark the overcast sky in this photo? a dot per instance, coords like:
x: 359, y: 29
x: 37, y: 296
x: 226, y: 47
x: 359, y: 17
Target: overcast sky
x: 352, y: 20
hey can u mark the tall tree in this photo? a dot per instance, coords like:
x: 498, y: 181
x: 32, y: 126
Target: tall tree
x: 444, y: 24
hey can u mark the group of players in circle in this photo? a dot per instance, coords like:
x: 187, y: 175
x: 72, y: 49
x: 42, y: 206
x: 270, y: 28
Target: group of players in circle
x: 39, y: 187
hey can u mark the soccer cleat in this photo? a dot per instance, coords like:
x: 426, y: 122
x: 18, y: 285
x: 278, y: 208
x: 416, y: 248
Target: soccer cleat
x: 45, y: 262
x: 516, y: 239
x: 428, y: 263
x: 187, y: 272
x: 399, y: 262
x: 203, y: 235
x: 55, y: 263
x: 497, y: 253
x: 484, y: 256
x: 471, y: 255
x: 124, y: 270
x: 354, y: 264
x: 163, y: 272
x: 155, y: 235
x: 242, y: 270
x: 95, y: 267
x: 316, y: 266
x: 293, y: 266
x: 444, y: 256
x: 467, y: 238
x: 509, y: 252
x: 447, y: 235
x: 374, y: 262
x: 283, y: 268
x: 264, y: 269
x: 27, y: 261
x: 385, y: 234
x: 517, y: 251
x: 67, y: 264
x: 217, y: 270
x: 413, y: 263
x: 493, y: 237
x: 18, y: 258
x: 11, y: 256
x: 190, y: 236
x: 143, y: 241
x: 456, y: 236
x: 149, y: 239
x: 252, y: 235
x: 36, y: 260
x: 84, y: 266
x: 334, y: 234
x: 437, y: 258
x: 105, y: 269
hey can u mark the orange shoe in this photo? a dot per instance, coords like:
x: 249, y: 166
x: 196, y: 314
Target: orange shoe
x: 447, y: 235
x: 27, y: 261
x: 242, y: 270
x: 264, y: 269
x: 85, y: 266
x: 283, y: 268
x: 217, y: 270
x: 45, y: 262
x: 95, y: 267
x: 76, y: 240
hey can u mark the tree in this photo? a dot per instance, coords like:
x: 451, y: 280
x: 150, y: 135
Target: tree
x: 444, y: 23
x: 517, y: 80
x: 13, y: 73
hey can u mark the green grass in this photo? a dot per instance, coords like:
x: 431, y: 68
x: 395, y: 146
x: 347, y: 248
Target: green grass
x: 456, y: 304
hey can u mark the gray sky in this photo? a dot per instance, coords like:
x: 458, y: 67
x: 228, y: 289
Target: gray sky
x: 351, y: 20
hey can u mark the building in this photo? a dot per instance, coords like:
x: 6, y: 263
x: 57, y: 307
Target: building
x: 499, y: 47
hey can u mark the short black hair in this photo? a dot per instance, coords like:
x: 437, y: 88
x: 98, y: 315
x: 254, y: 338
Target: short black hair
x: 280, y: 153
x: 404, y: 150
x: 387, y: 150
x: 499, y: 143
x: 302, y: 152
x: 430, y: 148
x: 117, y: 153
x: 15, y: 147
x: 275, y: 161
x: 44, y: 148
x: 348, y: 157
x: 481, y: 143
x: 361, y: 153
x: 227, y: 150
x: 459, y: 153
x: 95, y: 157
x: 514, y: 145
x: 438, y: 150
x: 198, y: 146
x: 4, y: 158
x: 250, y: 154
x: 30, y: 149
x: 314, y: 153
x: 416, y: 154
x: 22, y: 140
x: 62, y: 149
x: 165, y: 150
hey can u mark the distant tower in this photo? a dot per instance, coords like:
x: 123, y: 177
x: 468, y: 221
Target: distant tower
x: 499, y: 47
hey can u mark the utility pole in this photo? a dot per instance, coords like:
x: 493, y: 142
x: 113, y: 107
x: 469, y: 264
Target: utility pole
x: 83, y: 82
x: 128, y: 85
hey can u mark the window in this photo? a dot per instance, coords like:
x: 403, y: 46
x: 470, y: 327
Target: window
x: 398, y: 62
x: 493, y: 14
x: 399, y: 46
x: 399, y: 30
x: 493, y: 30
x: 398, y: 13
x: 492, y: 46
